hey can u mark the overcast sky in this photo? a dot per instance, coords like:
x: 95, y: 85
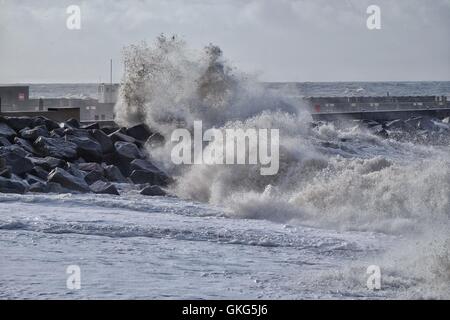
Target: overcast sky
x: 280, y: 40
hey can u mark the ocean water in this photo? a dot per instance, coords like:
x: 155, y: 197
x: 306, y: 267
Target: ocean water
x: 300, y: 89
x: 342, y: 201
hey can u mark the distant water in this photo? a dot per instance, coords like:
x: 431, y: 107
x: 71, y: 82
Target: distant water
x: 89, y: 90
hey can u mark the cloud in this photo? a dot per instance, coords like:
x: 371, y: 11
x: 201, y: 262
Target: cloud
x: 283, y: 40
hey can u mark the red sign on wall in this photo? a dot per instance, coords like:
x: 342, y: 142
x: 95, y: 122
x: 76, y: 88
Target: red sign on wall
x: 21, y: 96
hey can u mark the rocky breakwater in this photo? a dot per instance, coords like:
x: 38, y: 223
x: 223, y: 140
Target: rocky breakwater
x: 41, y: 156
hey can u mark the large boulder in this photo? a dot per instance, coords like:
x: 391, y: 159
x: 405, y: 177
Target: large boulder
x: 47, y: 187
x: 87, y: 148
x: 77, y: 132
x: 12, y: 186
x: 398, y: 125
x: 93, y: 177
x: 112, y: 173
x: 161, y: 178
x: 141, y: 164
x: 66, y: 180
x: 57, y: 133
x: 147, y: 177
x: 105, y: 141
x: 72, y: 168
x: 102, y: 187
x: 139, y: 132
x: 152, y: 191
x: 48, y: 163
x: 4, y: 142
x: 6, y: 131
x: 15, y: 159
x: 71, y: 123
x: 120, y: 136
x: 108, y: 129
x: 91, y: 166
x: 91, y: 126
x: 33, y: 134
x: 50, y: 124
x: 124, y: 155
x: 25, y: 145
x: 18, y: 123
x: 56, y: 147
x: 39, y: 172
x: 31, y: 179
x: 5, y: 173
x: 427, y: 124
x: 128, y: 150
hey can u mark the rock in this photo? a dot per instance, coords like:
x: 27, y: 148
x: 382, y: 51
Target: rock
x: 141, y: 164
x: 5, y: 173
x: 18, y: 123
x: 71, y: 123
x: 112, y: 173
x: 77, y: 132
x: 427, y: 124
x: 124, y: 155
x: 39, y: 172
x: 38, y: 187
x: 66, y: 180
x: 48, y: 187
x: 4, y: 142
x: 54, y: 187
x: 91, y: 166
x: 48, y: 163
x: 14, y: 148
x: 108, y: 129
x: 56, y: 147
x: 12, y: 186
x: 105, y: 141
x: 79, y: 160
x: 31, y: 179
x: 144, y: 165
x: 94, y: 176
x: 57, y: 133
x: 139, y: 132
x: 33, y: 134
x: 155, y: 140
x: 397, y: 125
x: 50, y: 124
x: 371, y: 123
x: 15, y: 159
x: 87, y: 148
x: 128, y: 150
x: 6, y: 131
x: 379, y: 131
x: 91, y: 126
x: 73, y: 170
x: 152, y: 191
x: 101, y: 187
x: 119, y: 136
x: 145, y: 177
x: 446, y: 120
x: 25, y: 145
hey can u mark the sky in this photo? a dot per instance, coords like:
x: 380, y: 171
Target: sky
x: 277, y: 40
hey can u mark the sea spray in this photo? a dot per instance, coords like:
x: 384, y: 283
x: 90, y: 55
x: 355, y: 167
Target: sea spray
x: 335, y: 177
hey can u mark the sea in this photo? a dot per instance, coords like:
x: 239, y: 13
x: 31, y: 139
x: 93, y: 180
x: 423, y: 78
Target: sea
x: 349, y: 216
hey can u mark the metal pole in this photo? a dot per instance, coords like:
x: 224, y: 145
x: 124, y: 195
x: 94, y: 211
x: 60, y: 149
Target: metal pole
x: 111, y: 71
